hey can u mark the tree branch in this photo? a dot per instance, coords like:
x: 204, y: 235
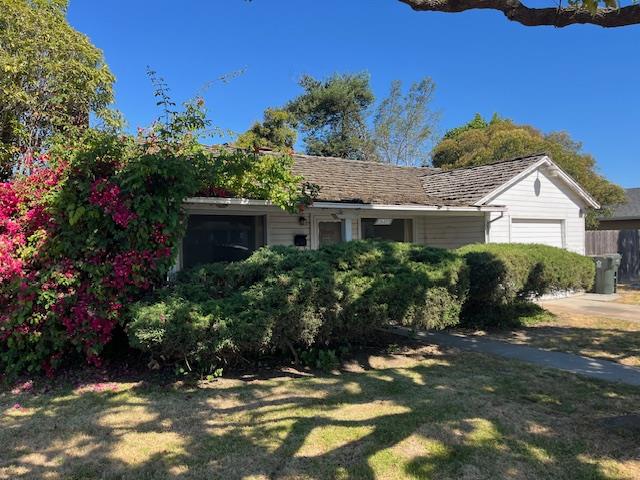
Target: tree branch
x: 518, y: 12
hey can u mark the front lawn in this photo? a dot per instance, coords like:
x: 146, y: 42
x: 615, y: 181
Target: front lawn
x: 592, y: 336
x: 421, y: 413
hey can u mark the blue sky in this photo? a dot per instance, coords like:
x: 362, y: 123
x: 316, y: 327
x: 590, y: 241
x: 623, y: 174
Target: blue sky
x: 582, y: 79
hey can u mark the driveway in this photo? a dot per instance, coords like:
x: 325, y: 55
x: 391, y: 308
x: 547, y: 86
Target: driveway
x: 595, y: 305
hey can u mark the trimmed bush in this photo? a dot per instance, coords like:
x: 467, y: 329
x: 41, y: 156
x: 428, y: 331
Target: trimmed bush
x: 386, y: 282
x: 502, y: 275
x: 282, y: 298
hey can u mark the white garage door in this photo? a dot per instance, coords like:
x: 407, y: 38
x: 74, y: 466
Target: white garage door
x: 546, y: 232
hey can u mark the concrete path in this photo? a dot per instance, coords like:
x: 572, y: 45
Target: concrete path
x: 591, y: 304
x: 588, y: 367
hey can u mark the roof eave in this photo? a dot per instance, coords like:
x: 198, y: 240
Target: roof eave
x: 229, y: 201
x: 246, y: 202
x: 411, y: 207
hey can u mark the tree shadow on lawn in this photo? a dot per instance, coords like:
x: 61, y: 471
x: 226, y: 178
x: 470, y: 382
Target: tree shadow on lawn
x: 442, y: 416
x: 621, y: 346
x: 529, y: 324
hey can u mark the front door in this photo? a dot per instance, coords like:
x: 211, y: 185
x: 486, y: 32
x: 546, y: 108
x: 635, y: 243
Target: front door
x: 329, y: 232
x: 325, y: 230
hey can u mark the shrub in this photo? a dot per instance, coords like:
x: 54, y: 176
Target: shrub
x: 384, y: 282
x: 93, y: 227
x: 501, y: 275
x: 282, y: 298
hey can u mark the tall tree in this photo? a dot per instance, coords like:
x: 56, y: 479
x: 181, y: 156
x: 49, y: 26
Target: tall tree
x: 480, y: 142
x: 476, y: 122
x: 276, y: 131
x: 605, y: 13
x: 51, y: 78
x: 404, y: 124
x: 331, y: 114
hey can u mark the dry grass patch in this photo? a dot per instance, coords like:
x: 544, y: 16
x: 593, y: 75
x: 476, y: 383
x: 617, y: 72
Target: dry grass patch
x: 628, y: 296
x: 597, y: 337
x: 417, y: 414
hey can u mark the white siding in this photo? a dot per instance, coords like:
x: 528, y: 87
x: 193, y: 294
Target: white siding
x: 449, y: 230
x: 498, y: 227
x: 453, y: 231
x: 283, y: 226
x: 420, y: 230
x: 537, y: 196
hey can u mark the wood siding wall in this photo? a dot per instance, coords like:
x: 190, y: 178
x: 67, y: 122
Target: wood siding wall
x: 537, y: 196
x: 453, y: 232
x: 450, y: 230
x: 624, y: 242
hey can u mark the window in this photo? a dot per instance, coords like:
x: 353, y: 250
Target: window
x: 396, y: 229
x: 221, y: 238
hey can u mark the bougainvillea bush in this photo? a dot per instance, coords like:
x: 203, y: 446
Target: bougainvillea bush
x: 94, y: 226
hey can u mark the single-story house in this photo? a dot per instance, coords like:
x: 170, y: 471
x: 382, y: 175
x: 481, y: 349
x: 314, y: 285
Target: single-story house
x: 625, y: 216
x: 526, y: 200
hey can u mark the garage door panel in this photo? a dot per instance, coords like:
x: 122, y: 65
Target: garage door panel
x: 543, y: 231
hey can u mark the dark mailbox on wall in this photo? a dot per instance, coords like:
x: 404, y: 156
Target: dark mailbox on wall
x: 300, y: 240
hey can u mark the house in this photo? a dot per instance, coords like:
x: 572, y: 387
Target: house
x: 529, y: 200
x: 625, y: 216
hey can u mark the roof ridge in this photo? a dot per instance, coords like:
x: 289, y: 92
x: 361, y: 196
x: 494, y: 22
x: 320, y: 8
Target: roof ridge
x: 369, y: 162
x: 498, y: 162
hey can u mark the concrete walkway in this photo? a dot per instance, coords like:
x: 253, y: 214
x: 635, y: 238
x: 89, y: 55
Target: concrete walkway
x: 588, y: 367
x: 591, y: 304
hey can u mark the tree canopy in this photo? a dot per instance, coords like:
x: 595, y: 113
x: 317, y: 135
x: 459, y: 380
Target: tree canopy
x: 332, y: 113
x: 404, y: 125
x: 276, y: 132
x: 51, y: 78
x: 480, y: 142
x: 336, y: 118
x: 605, y: 13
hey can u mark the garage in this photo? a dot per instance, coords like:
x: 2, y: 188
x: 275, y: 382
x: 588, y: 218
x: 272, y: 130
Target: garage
x: 543, y: 231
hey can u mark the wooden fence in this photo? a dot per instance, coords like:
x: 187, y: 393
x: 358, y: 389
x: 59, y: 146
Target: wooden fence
x: 624, y: 242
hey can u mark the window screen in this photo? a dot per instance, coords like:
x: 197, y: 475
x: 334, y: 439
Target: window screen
x: 221, y: 238
x: 329, y: 233
x: 397, y: 229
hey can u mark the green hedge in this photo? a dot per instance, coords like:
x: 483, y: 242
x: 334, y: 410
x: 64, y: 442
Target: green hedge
x: 282, y: 298
x: 285, y: 299
x: 503, y: 275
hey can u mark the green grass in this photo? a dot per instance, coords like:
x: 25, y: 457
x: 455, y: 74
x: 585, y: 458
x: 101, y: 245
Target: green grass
x: 413, y: 414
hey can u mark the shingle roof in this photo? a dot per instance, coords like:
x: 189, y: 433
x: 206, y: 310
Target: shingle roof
x: 629, y: 210
x: 355, y: 181
x: 471, y: 184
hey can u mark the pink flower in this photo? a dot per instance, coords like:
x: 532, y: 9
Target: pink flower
x: 24, y: 387
x: 108, y: 196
